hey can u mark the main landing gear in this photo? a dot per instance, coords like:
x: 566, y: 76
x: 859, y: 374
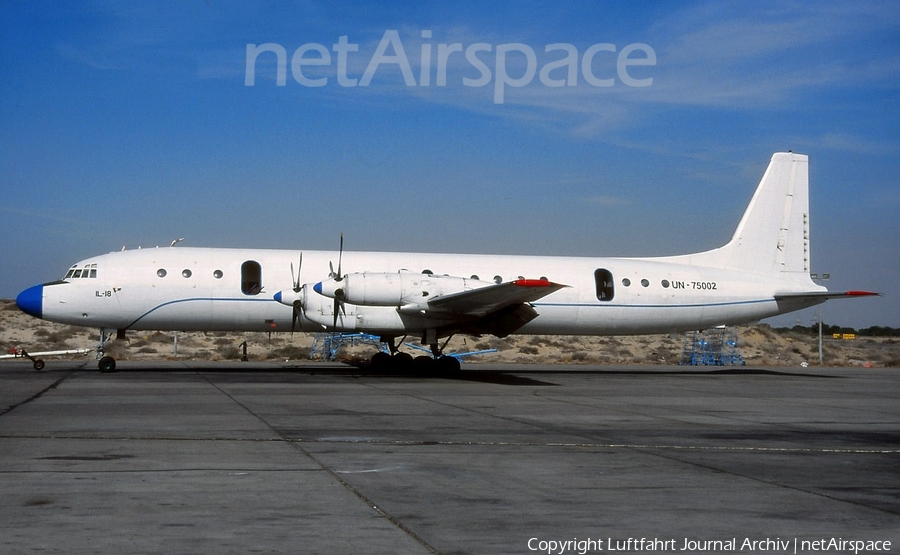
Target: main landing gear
x: 437, y: 364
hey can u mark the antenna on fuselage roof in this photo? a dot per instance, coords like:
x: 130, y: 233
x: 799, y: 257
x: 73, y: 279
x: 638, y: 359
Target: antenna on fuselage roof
x: 176, y: 241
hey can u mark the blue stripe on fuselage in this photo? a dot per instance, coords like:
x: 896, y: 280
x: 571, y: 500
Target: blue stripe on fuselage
x: 196, y: 299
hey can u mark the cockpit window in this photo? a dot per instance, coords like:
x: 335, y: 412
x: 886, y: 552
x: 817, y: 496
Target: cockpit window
x: 76, y: 272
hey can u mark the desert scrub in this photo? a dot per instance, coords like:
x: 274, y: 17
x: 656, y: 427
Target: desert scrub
x: 289, y: 353
x: 580, y: 356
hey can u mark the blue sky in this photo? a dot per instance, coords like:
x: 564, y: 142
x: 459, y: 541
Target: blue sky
x: 131, y: 124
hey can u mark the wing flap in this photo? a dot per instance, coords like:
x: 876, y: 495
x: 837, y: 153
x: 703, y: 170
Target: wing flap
x: 483, y: 301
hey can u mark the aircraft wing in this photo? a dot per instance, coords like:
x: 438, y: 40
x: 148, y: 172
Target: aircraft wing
x: 484, y: 301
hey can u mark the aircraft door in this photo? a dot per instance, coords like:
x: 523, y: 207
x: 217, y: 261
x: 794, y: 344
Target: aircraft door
x: 251, y: 278
x: 603, y: 280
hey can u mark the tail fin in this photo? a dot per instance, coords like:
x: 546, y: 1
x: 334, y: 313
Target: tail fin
x: 772, y: 237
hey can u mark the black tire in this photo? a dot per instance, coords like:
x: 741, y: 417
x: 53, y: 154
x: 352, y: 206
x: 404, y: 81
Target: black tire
x: 107, y: 365
x: 423, y: 365
x: 448, y: 366
x: 402, y: 362
x: 38, y: 364
x: 380, y: 361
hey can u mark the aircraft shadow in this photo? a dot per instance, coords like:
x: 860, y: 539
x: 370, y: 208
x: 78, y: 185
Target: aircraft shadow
x: 520, y: 375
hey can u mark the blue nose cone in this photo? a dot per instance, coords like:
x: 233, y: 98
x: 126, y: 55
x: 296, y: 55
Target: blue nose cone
x: 31, y: 301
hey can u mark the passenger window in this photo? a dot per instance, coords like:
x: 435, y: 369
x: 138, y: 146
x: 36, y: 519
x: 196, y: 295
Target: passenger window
x: 251, y: 278
x: 604, y: 281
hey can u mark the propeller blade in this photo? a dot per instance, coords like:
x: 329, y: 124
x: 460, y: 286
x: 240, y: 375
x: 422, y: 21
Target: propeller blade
x: 299, y: 267
x: 297, y: 305
x: 338, y: 309
x: 339, y: 275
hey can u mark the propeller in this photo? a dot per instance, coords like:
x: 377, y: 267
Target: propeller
x: 338, y: 277
x: 333, y: 284
x: 298, y: 304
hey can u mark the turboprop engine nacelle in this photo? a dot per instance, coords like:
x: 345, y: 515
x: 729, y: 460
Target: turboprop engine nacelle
x: 400, y: 289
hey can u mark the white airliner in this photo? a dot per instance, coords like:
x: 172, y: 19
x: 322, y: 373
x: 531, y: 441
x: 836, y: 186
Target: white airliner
x: 764, y: 270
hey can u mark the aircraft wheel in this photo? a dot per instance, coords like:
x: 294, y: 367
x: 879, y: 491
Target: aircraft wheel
x: 38, y: 364
x: 423, y: 364
x: 380, y: 361
x: 107, y: 364
x: 402, y: 361
x: 448, y: 366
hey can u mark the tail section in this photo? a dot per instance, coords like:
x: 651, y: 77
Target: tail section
x: 772, y: 237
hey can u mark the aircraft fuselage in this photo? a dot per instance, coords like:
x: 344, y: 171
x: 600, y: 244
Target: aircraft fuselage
x: 232, y: 290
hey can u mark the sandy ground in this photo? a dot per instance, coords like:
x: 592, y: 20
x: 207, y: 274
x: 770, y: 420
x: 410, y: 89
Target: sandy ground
x: 756, y: 345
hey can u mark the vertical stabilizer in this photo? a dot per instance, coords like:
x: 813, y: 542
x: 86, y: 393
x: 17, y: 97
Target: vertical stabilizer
x: 773, y: 235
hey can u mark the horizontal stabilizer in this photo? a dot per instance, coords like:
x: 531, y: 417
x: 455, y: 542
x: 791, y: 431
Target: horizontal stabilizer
x: 824, y: 295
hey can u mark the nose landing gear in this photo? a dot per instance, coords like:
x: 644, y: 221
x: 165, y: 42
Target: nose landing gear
x: 105, y: 363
